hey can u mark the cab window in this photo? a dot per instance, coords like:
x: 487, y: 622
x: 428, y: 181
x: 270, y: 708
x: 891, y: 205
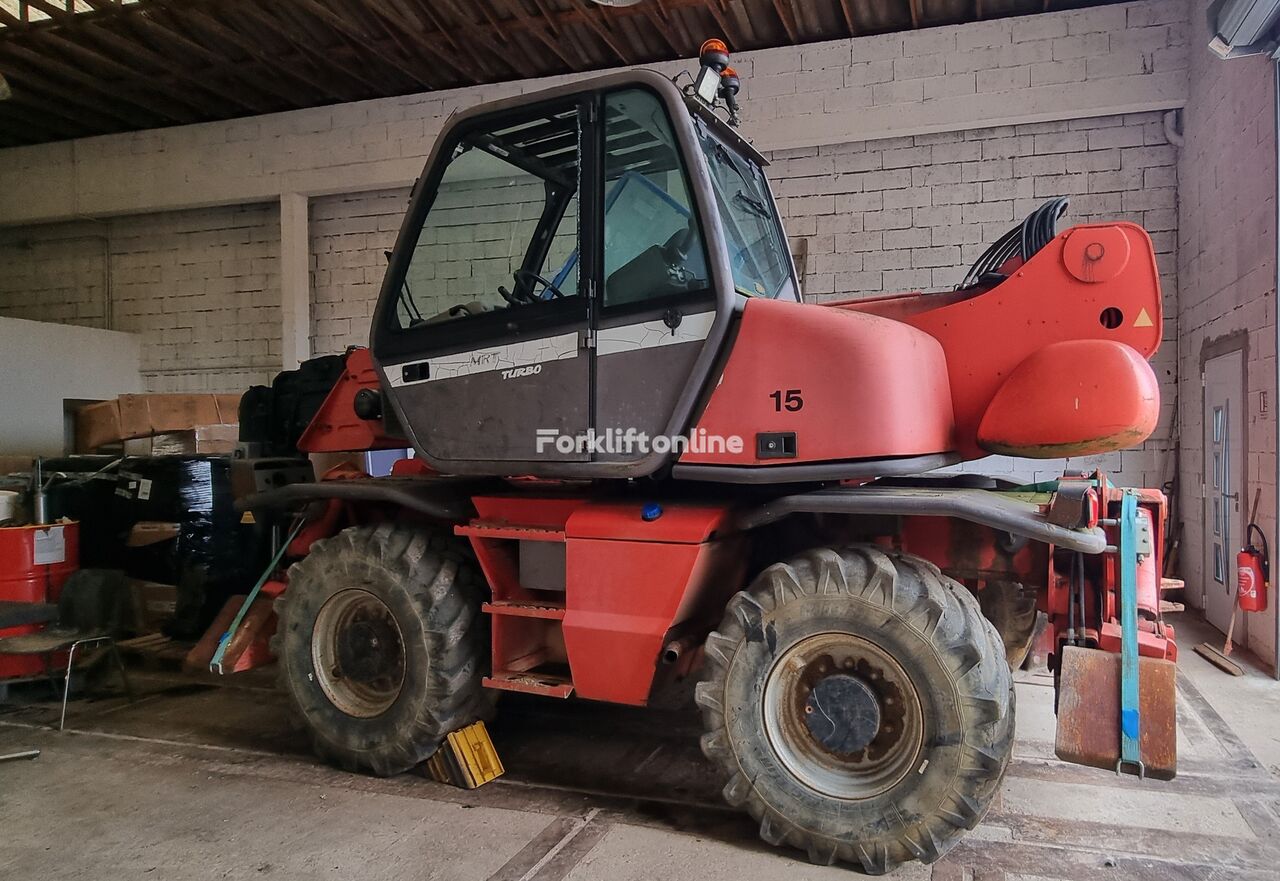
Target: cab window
x: 502, y: 228
x: 758, y: 255
x: 653, y: 246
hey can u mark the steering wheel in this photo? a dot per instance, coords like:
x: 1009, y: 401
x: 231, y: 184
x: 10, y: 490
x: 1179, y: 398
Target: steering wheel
x: 531, y: 276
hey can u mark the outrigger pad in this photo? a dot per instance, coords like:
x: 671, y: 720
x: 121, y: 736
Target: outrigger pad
x: 1089, y: 712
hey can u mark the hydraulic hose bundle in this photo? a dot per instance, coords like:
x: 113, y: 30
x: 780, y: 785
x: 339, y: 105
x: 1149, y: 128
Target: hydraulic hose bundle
x: 1024, y: 241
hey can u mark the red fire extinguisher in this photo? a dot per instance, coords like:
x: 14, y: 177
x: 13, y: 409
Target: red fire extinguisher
x: 1253, y: 572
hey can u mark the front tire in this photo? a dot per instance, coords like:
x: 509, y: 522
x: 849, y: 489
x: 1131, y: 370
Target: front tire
x: 381, y: 645
x: 860, y: 706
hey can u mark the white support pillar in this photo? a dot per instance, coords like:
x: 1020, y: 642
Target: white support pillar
x: 295, y: 280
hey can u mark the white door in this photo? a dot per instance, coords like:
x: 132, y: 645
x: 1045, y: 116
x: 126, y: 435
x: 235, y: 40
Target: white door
x: 1223, y: 487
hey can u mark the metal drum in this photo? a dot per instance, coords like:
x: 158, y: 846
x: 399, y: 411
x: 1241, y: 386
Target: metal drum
x: 35, y: 561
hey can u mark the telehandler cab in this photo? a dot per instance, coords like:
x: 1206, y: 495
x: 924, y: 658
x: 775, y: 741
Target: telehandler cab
x: 640, y: 455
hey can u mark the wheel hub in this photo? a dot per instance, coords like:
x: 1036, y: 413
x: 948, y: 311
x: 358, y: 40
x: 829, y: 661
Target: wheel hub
x: 367, y: 649
x: 842, y: 713
x: 357, y: 652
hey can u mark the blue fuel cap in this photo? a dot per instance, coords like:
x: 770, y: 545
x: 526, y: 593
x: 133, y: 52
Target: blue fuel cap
x: 650, y: 512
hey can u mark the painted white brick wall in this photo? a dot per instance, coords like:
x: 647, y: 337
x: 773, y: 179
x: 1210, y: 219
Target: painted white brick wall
x: 200, y: 287
x: 1226, y: 261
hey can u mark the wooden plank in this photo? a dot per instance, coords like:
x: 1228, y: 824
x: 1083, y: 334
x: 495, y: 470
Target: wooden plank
x: 57, y: 105
x: 847, y: 11
x: 264, y: 85
x: 340, y: 24
x: 536, y: 28
x: 323, y: 58
x: 254, y: 50
x: 323, y: 86
x: 600, y: 25
x: 422, y: 39
x: 199, y: 80
x: 787, y: 15
x: 116, y: 91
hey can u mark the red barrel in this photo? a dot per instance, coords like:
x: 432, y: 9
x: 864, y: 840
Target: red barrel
x: 35, y: 561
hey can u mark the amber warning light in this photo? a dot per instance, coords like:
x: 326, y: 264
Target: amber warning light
x: 716, y: 79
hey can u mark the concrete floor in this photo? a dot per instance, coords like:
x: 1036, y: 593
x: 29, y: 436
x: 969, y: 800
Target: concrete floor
x: 198, y: 781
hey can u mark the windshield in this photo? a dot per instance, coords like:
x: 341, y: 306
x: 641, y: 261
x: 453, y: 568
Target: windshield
x: 757, y: 250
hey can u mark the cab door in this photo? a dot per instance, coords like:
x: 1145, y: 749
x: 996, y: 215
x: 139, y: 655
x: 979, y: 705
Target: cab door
x: 481, y: 329
x: 657, y: 303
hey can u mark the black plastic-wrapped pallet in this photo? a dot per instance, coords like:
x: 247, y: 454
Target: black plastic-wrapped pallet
x: 213, y: 554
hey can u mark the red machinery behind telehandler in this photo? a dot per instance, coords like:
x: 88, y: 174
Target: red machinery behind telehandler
x: 640, y: 454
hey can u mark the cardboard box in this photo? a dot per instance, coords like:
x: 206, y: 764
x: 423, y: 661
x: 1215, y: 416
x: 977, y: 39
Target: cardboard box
x: 134, y: 416
x: 215, y: 440
x: 16, y: 464
x: 153, y: 604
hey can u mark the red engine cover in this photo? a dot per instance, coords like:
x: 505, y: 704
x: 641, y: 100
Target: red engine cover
x: 851, y: 386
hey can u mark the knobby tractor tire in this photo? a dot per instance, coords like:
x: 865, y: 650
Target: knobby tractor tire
x: 891, y: 606
x: 428, y: 593
x: 1013, y: 612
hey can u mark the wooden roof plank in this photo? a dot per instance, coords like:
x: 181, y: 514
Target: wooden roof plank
x: 268, y: 87
x: 340, y: 24
x: 599, y: 23
x: 116, y: 90
x: 254, y: 50
x: 335, y: 86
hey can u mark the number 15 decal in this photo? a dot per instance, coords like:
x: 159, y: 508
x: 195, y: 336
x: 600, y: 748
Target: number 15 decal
x: 789, y: 400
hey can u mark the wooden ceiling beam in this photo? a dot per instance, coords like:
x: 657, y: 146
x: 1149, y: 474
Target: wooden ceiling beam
x: 179, y: 70
x: 847, y: 10
x: 310, y: 36
x: 688, y: 45
x: 604, y: 31
x: 124, y: 91
x: 45, y: 126
x: 787, y: 15
x: 661, y: 26
x: 268, y: 61
x: 52, y: 104
x: 536, y: 28
x: 457, y: 63
x: 179, y: 106
x: 489, y: 45
x: 400, y: 40
x: 337, y: 87
x: 497, y: 33
x: 729, y: 31
x: 914, y: 6
x: 30, y: 80
x: 266, y: 88
x: 54, y: 12
x: 340, y: 24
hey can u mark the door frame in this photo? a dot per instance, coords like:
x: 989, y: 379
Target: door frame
x: 1217, y: 347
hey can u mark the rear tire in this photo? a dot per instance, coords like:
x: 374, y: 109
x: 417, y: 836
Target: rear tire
x: 942, y: 715
x: 381, y: 645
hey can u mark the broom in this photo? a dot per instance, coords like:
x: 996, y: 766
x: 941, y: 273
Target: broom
x: 1219, y: 659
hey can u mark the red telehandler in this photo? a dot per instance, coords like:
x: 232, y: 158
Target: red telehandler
x: 639, y: 455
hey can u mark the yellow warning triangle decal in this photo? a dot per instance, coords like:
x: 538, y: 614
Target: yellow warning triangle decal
x: 1143, y: 319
